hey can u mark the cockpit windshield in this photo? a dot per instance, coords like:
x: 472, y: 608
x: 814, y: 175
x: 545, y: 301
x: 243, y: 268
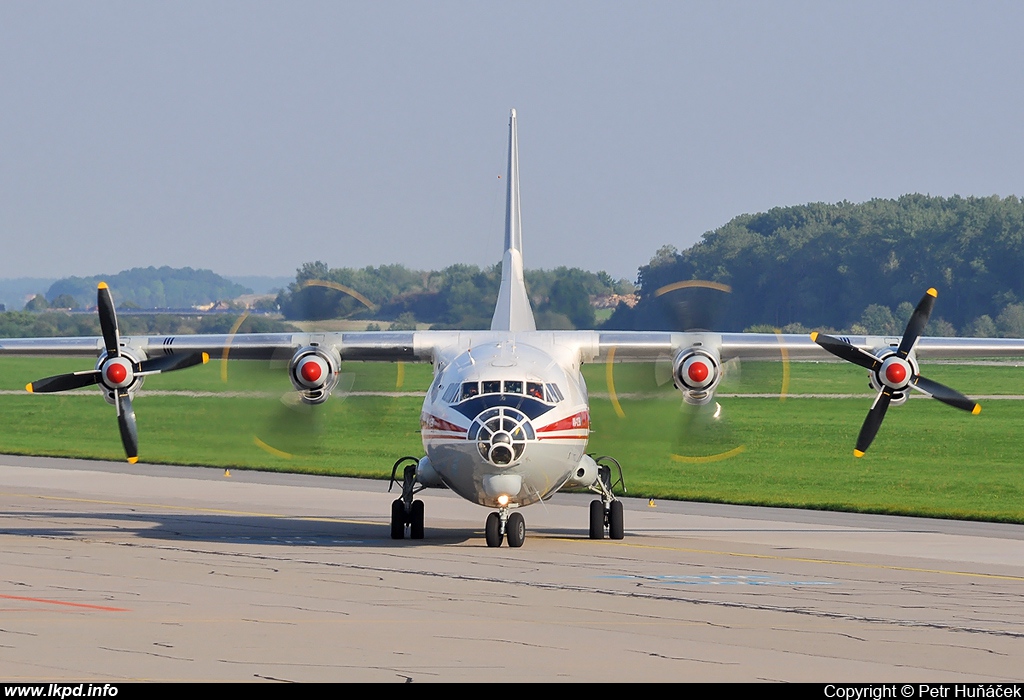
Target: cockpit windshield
x: 549, y: 393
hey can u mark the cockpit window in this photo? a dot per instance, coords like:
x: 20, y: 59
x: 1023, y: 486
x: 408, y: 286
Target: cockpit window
x: 467, y: 390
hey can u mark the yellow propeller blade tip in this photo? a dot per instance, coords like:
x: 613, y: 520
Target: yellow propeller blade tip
x: 814, y: 336
x: 133, y: 460
x: 206, y: 357
x: 101, y: 285
x: 28, y: 388
x: 976, y: 410
x: 932, y: 293
x: 858, y: 453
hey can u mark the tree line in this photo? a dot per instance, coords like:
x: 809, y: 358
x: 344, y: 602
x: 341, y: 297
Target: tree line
x: 459, y: 296
x: 857, y: 267
x: 145, y: 288
x: 50, y: 324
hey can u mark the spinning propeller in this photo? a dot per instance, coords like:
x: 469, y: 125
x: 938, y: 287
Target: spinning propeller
x: 895, y: 372
x: 117, y: 372
x: 699, y: 431
x: 692, y: 305
x: 291, y: 424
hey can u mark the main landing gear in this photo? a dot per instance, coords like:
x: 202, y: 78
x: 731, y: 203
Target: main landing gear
x: 505, y: 524
x: 404, y: 510
x: 606, y: 512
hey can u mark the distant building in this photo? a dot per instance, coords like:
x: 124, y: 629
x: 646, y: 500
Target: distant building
x: 612, y: 300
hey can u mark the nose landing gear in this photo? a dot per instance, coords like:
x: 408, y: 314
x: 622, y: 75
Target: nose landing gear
x: 505, y: 525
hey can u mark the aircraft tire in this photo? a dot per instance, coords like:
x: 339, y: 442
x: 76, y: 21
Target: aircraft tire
x: 596, y: 520
x: 616, y: 526
x: 492, y: 530
x: 397, y: 519
x: 515, y: 530
x: 416, y: 521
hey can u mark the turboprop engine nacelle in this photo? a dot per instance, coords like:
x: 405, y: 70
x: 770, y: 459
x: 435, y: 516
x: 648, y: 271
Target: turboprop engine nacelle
x: 314, y: 373
x: 893, y: 373
x: 118, y: 373
x: 696, y: 372
x: 584, y: 475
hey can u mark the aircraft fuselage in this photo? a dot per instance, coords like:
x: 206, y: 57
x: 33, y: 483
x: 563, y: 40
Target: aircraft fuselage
x: 505, y: 419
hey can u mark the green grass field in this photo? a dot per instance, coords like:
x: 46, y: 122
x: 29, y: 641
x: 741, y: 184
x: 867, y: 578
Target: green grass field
x: 928, y: 459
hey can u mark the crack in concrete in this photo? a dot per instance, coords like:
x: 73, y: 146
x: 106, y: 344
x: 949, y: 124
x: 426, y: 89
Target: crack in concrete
x: 433, y: 670
x: 502, y: 641
x: 685, y: 658
x: 27, y: 634
x: 271, y: 678
x: 818, y: 632
x: 299, y: 607
x: 147, y: 653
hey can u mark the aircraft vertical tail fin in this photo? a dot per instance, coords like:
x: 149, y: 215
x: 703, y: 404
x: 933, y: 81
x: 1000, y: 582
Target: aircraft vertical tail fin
x: 513, y: 311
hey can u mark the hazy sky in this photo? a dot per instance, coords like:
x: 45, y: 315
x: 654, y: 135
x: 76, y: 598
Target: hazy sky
x: 251, y: 137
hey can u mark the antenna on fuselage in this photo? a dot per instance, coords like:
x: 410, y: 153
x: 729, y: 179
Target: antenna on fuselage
x: 513, y: 311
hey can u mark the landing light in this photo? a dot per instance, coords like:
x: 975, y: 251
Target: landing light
x: 503, y: 500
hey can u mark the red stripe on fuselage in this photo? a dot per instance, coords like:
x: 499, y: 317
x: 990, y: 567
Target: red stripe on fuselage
x: 579, y: 421
x: 432, y: 422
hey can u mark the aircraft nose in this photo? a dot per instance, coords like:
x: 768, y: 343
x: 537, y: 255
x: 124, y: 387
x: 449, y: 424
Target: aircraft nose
x: 501, y: 435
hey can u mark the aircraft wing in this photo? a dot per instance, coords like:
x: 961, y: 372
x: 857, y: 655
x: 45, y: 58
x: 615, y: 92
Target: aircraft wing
x: 421, y: 346
x: 372, y: 346
x: 632, y: 346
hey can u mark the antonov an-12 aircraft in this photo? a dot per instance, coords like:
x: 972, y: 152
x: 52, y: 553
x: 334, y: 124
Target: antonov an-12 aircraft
x: 506, y: 419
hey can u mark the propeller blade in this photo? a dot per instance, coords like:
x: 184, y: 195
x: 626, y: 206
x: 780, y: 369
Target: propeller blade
x: 872, y: 422
x: 169, y: 363
x: 692, y: 305
x: 845, y: 351
x: 917, y: 322
x: 64, y: 382
x: 292, y: 429
x: 704, y: 434
x: 129, y: 431
x: 108, y: 320
x: 943, y: 393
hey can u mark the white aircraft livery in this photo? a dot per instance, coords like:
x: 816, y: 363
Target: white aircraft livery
x: 506, y: 419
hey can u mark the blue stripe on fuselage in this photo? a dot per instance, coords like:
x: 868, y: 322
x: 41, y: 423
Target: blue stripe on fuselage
x: 533, y: 408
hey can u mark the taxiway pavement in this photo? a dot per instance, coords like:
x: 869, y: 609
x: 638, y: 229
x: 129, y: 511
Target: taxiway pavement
x: 118, y: 572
